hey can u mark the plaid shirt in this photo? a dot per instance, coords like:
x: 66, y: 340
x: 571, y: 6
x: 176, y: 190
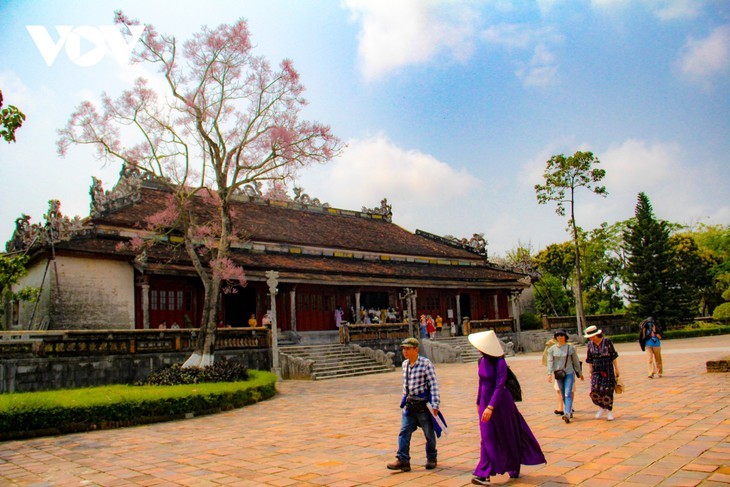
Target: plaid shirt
x: 419, y: 378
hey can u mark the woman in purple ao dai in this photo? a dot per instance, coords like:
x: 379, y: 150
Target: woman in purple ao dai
x: 506, y: 440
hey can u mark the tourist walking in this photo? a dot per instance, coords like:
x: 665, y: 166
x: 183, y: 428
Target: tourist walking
x: 650, y: 337
x: 602, y: 360
x: 420, y: 390
x: 506, y: 440
x: 561, y: 406
x: 563, y: 366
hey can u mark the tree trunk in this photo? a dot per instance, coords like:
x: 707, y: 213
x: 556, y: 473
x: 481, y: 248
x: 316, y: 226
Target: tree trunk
x: 579, y: 313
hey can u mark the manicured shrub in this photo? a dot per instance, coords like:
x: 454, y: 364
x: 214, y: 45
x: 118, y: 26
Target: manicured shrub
x: 722, y: 312
x: 28, y: 414
x: 221, y: 371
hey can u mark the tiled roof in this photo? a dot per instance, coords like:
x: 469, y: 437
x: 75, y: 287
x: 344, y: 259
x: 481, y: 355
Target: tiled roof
x: 325, y: 268
x: 360, y: 248
x: 315, y: 227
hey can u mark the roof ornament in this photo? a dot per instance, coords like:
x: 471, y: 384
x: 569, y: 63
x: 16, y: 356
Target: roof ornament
x: 57, y: 227
x: 303, y: 199
x: 385, y: 210
x: 125, y: 192
x: 252, y: 190
x: 477, y: 244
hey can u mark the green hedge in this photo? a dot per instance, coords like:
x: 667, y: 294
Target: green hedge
x: 29, y: 414
x: 670, y: 334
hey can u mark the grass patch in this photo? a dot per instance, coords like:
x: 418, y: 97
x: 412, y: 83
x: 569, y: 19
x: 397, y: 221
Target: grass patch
x: 29, y: 414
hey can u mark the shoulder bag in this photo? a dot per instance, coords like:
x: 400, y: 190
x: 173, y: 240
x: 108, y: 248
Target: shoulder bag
x: 513, y: 385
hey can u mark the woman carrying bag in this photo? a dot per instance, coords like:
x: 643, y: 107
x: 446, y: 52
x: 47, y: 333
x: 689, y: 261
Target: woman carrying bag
x: 506, y: 440
x: 602, y: 359
x: 564, y: 366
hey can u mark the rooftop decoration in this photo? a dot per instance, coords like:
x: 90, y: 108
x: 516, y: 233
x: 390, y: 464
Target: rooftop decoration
x: 125, y: 192
x: 57, y: 227
x: 385, y: 210
x: 476, y: 244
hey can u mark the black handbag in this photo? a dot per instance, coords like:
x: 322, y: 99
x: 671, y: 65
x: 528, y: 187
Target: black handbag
x: 416, y: 404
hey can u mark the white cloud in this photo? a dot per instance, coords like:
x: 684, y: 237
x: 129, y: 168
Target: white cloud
x: 408, y: 32
x: 703, y: 58
x: 542, y: 68
x: 425, y: 193
x: 665, y: 10
x: 679, y: 190
x: 675, y: 9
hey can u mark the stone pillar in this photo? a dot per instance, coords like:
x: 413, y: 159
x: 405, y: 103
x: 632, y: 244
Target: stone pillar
x: 514, y: 300
x: 496, y: 306
x: 145, y: 306
x: 358, y: 319
x: 458, y: 311
x: 272, y: 279
x: 293, y: 309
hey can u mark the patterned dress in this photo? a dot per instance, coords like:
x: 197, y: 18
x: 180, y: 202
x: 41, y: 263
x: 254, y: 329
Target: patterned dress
x: 603, y: 379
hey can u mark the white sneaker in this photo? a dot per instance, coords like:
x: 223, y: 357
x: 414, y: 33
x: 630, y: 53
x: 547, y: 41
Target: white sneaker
x: 599, y: 413
x: 610, y: 416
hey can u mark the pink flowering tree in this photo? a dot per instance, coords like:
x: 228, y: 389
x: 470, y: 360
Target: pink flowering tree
x: 225, y: 119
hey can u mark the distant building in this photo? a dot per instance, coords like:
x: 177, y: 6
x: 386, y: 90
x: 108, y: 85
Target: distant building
x: 326, y: 257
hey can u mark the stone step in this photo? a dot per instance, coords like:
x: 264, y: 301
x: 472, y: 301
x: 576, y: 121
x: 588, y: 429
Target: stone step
x: 353, y: 373
x: 468, y: 352
x: 370, y: 366
x: 336, y: 360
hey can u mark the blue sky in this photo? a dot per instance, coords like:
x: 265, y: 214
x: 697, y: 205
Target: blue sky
x: 450, y: 109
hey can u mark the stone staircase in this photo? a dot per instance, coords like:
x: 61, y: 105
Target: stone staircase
x: 332, y: 361
x: 468, y: 352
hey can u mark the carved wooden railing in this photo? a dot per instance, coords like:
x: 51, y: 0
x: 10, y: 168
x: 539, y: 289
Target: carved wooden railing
x: 499, y: 326
x: 123, y: 342
x: 387, y: 331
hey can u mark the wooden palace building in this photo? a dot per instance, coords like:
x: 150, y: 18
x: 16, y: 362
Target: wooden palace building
x: 325, y: 257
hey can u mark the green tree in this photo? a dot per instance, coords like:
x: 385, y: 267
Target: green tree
x: 11, y: 120
x: 651, y: 268
x: 551, y: 297
x: 563, y: 176
x: 602, y: 269
x: 713, y: 243
x: 697, y: 286
x: 12, y: 268
x: 557, y: 260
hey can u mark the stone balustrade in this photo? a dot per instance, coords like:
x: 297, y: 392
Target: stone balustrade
x: 69, y: 343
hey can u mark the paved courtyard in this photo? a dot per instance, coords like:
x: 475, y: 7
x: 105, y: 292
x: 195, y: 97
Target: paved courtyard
x: 669, y: 431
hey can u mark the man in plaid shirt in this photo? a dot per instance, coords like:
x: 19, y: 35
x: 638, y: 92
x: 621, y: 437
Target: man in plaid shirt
x: 420, y: 387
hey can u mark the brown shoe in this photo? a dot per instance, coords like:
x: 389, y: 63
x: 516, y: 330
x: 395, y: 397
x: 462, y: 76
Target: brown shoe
x: 400, y: 465
x: 431, y: 464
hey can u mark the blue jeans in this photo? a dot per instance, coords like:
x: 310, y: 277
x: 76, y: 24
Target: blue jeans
x: 409, y: 424
x: 566, y: 389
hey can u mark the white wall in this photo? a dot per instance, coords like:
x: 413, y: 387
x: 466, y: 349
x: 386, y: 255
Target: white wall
x: 88, y: 294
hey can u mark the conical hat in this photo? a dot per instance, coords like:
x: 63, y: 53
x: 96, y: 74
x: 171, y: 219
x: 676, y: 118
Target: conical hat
x: 487, y: 342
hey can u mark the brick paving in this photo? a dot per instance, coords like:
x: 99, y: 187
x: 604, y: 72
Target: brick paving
x: 673, y: 431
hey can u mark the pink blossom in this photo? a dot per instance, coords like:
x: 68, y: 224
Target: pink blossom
x: 225, y: 270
